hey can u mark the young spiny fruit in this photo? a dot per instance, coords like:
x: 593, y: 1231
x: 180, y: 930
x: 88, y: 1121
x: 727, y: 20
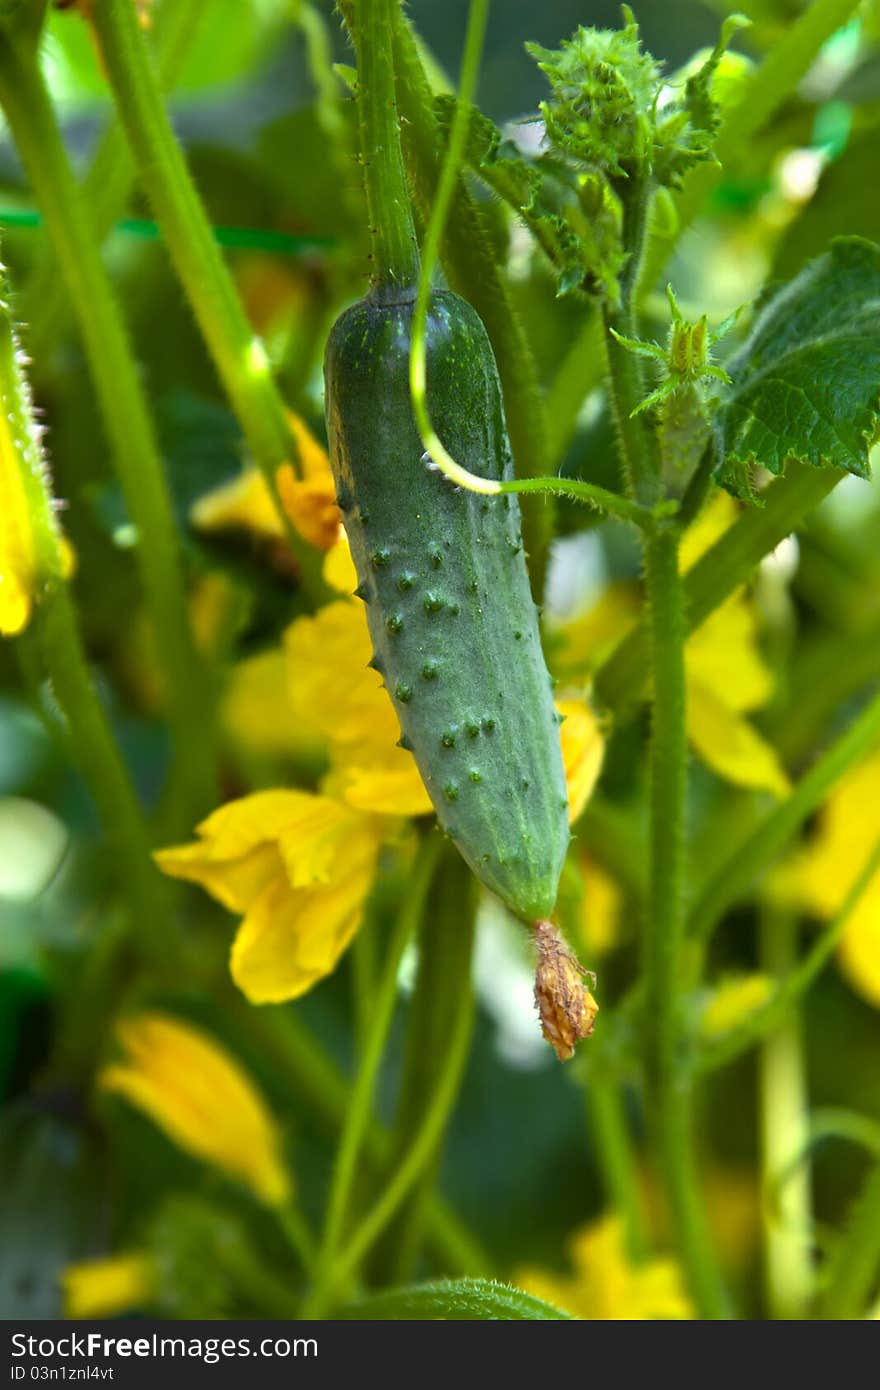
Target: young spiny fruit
x: 443, y: 576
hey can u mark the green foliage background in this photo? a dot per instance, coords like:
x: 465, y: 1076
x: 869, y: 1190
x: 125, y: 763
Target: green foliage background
x: 519, y: 1167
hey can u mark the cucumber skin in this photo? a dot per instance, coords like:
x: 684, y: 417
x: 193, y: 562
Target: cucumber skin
x: 443, y: 574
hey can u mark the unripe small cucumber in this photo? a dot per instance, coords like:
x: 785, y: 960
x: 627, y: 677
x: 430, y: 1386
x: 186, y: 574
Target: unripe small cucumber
x: 443, y: 574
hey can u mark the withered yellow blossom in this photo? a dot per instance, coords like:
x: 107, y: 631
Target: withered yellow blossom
x: 195, y: 1091
x: 566, y: 1007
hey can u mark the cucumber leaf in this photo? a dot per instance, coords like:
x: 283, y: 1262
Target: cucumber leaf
x: 455, y: 1300
x: 806, y: 383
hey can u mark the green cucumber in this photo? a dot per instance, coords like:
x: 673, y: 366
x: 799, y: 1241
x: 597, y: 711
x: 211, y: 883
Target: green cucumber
x: 444, y: 579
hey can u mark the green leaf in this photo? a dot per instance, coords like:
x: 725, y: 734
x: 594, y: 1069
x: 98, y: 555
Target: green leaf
x: 455, y: 1300
x: 806, y: 383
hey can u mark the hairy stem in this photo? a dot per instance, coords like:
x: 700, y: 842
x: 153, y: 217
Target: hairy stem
x: 238, y: 354
x: 392, y: 232
x: 127, y: 420
x: 108, y: 182
x: 93, y: 749
x: 470, y: 260
x: 358, y: 1115
x: 788, y: 1274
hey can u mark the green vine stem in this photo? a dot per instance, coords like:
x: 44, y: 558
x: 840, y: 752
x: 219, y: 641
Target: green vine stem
x: 108, y: 181
x: 395, y: 255
x: 784, y: 1126
x: 796, y: 983
x: 621, y: 681
x: 86, y: 731
x: 769, y: 87
x: 470, y: 260
x: 25, y: 100
x: 637, y: 446
x: 735, y: 876
x: 669, y: 1090
x: 852, y: 1268
x: 445, y: 944
x: 358, y: 1113
x: 317, y: 1080
x: 615, y: 1153
x: 423, y: 1146
x: 93, y: 749
x: 238, y: 354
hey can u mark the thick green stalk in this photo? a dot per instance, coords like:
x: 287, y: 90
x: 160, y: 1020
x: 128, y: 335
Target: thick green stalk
x: 317, y: 1079
x: 470, y: 261
x: 784, y: 1105
x: 127, y: 420
x: 736, y: 875
x: 93, y: 749
x: 445, y: 944
x: 238, y: 354
x: 421, y: 1151
x: 853, y: 1267
x: 767, y: 90
x: 395, y: 255
x: 637, y: 446
x: 668, y: 1083
x: 108, y: 182
x: 621, y: 681
x: 358, y: 1116
x: 615, y: 1154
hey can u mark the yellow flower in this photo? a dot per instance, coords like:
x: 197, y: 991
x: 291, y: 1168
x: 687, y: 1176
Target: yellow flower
x: 195, y: 1091
x: 102, y: 1288
x: 32, y: 551
x: 583, y: 749
x: 600, y: 905
x: 819, y: 877
x: 731, y: 1002
x: 726, y: 675
x: 246, y: 503
x: 605, y: 1286
x: 298, y: 866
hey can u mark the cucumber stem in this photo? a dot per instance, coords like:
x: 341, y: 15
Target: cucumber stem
x: 395, y: 254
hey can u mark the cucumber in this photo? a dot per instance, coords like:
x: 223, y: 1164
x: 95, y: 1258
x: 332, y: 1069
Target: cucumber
x: 443, y: 575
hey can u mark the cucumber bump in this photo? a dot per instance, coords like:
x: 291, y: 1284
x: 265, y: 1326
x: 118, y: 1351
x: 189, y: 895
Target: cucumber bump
x: 443, y: 576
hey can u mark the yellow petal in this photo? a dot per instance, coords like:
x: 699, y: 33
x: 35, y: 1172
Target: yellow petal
x: 15, y: 598
x: 339, y: 571
x: 731, y: 1002
x: 730, y: 745
x: 859, y: 951
x: 723, y: 655
x: 583, y: 749
x: 328, y: 655
x: 605, y: 1285
x: 239, y: 826
x: 258, y: 709
x: 202, y: 1099
x: 243, y: 503
x: 310, y: 503
x: 584, y: 642
x: 233, y: 882
x: 102, y: 1288
x: 389, y: 786
x: 600, y: 910
x: 708, y: 528
x: 293, y: 937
